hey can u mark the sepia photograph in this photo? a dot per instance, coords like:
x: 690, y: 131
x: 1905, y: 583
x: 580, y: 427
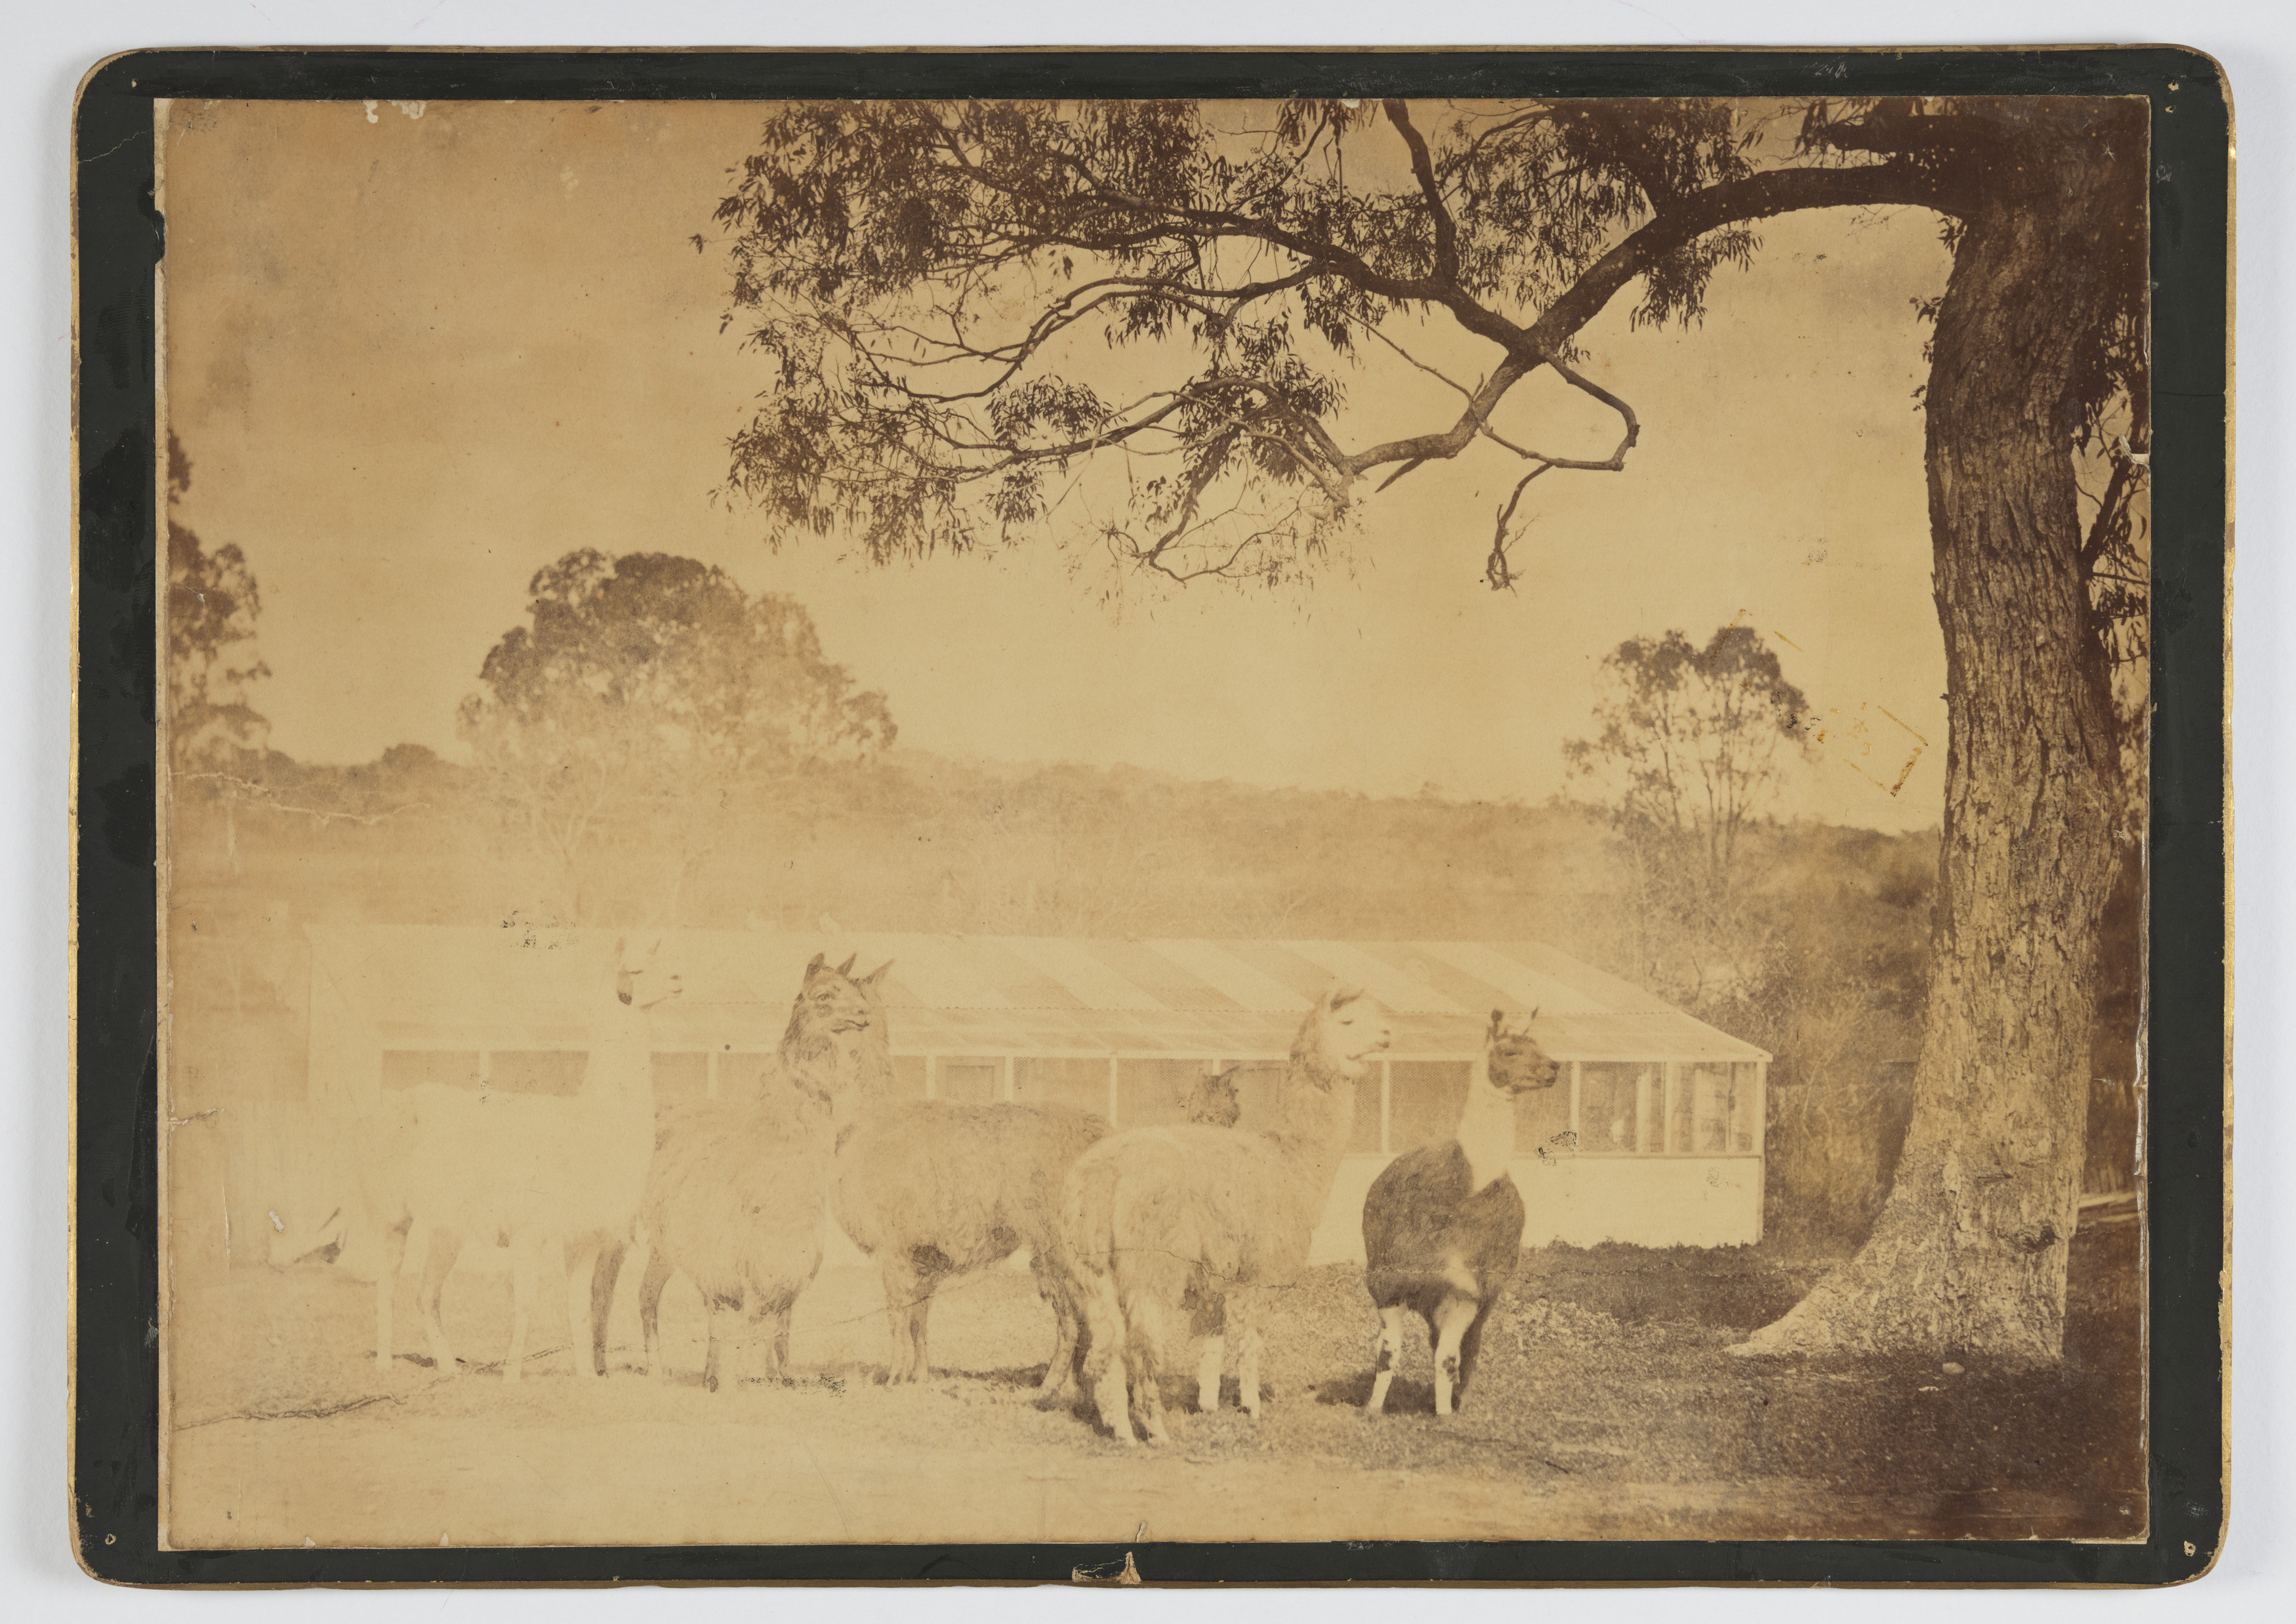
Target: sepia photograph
x: 1034, y: 821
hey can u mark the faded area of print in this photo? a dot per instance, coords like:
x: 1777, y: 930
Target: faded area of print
x: 956, y: 822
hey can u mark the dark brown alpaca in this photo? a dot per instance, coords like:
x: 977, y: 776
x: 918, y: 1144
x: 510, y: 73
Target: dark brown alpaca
x: 1443, y: 1224
x: 738, y: 1188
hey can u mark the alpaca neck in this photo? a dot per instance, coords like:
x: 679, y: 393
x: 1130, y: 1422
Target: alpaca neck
x: 1486, y: 1130
x: 1319, y: 1116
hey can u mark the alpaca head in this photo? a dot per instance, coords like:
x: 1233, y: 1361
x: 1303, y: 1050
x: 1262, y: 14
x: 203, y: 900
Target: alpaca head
x: 1213, y: 1101
x: 837, y: 1029
x: 642, y: 977
x: 1341, y: 1033
x: 1517, y: 1064
x: 831, y: 1002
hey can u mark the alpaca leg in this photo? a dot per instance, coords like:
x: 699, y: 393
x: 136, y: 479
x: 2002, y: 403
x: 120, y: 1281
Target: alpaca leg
x: 1147, y: 1386
x: 582, y: 1259
x: 1249, y: 1339
x: 709, y: 1359
x: 1208, y: 1374
x: 441, y: 1250
x: 1387, y: 1353
x: 902, y: 1288
x: 657, y: 1271
x: 919, y: 1309
x: 386, y: 1288
x: 1104, y: 1368
x: 1061, y: 1368
x: 1471, y: 1348
x: 602, y: 1276
x: 774, y: 1338
x: 1451, y: 1322
x: 525, y: 1283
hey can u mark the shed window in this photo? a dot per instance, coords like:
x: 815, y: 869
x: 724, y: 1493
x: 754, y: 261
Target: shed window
x: 1709, y: 1092
x: 1424, y: 1101
x: 680, y: 1075
x: 536, y: 1071
x: 1541, y: 1116
x: 969, y: 1082
x: 909, y: 1076
x: 1615, y: 1106
x: 1081, y: 1083
x: 743, y: 1074
x: 414, y: 1068
x: 1153, y: 1092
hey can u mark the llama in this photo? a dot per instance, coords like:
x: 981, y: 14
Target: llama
x: 1443, y: 1224
x: 1150, y: 1215
x: 529, y: 1174
x: 736, y: 1193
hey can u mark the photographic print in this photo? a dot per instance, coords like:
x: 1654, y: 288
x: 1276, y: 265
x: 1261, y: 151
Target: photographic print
x: 967, y: 821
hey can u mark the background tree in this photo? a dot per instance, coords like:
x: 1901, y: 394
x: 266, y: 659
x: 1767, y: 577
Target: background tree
x: 918, y: 274
x: 217, y: 739
x: 648, y: 696
x: 1685, y: 758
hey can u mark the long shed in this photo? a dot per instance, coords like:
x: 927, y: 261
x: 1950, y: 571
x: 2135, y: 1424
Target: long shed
x: 1655, y: 1137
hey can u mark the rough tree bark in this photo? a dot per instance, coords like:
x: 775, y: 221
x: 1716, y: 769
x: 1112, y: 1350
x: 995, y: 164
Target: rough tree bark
x: 1970, y: 1252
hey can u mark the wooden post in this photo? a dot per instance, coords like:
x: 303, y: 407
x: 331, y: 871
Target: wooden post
x: 709, y: 1081
x: 1112, y: 1063
x: 1670, y: 1111
x: 1762, y: 1104
x: 486, y: 1067
x: 933, y: 1069
x: 1009, y: 1095
x: 1386, y: 1105
x: 1578, y: 1140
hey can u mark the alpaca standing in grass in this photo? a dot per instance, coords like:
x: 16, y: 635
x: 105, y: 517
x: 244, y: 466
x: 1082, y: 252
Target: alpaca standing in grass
x: 737, y: 1188
x: 930, y: 1189
x: 1150, y: 1215
x: 1443, y: 1224
x: 543, y: 1178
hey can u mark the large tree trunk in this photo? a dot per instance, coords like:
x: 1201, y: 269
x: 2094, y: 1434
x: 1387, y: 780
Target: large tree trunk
x: 1968, y: 1253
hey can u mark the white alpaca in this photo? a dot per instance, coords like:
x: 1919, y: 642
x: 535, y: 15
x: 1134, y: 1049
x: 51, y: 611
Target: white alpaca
x: 1153, y: 1217
x: 538, y: 1176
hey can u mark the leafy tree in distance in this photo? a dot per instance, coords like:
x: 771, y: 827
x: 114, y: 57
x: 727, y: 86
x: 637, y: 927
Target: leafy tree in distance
x: 647, y: 693
x: 216, y: 737
x: 1687, y: 753
x: 917, y: 276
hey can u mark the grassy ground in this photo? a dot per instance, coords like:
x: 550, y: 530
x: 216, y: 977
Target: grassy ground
x: 1607, y: 1405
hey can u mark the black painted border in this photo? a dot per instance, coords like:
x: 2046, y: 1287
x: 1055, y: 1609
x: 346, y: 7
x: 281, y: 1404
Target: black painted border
x: 114, y: 1212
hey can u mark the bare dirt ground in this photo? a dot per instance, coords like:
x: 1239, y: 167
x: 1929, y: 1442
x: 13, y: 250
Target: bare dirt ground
x: 1608, y: 1404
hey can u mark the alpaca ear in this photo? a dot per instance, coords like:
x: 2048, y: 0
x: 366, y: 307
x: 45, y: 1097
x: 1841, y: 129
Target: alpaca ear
x: 814, y: 969
x: 846, y: 967
x: 1341, y: 995
x: 876, y: 977
x: 1526, y: 1020
x: 1498, y: 1025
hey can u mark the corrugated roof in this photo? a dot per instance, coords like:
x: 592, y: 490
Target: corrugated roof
x: 1201, y: 997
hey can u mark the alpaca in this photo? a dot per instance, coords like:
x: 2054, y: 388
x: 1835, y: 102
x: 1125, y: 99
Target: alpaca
x: 930, y: 1188
x: 737, y: 1188
x: 1213, y: 1101
x: 1150, y: 1215
x: 533, y: 1176
x: 1443, y: 1224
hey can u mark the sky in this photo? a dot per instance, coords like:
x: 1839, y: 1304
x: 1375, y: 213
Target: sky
x: 416, y: 353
